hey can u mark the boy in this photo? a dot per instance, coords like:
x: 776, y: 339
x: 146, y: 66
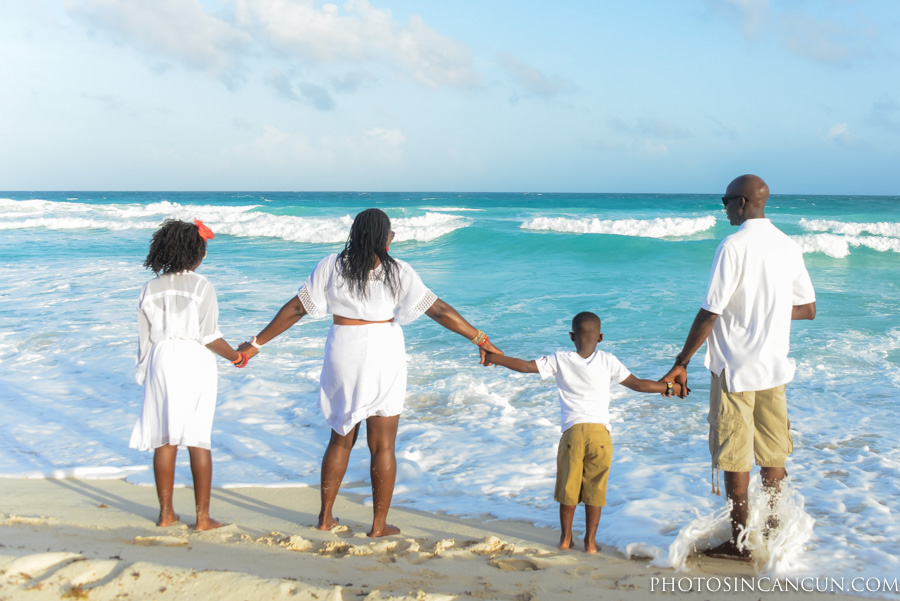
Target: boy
x: 585, y: 449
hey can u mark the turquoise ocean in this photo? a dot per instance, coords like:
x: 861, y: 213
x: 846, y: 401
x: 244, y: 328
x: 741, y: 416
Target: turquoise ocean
x: 473, y: 440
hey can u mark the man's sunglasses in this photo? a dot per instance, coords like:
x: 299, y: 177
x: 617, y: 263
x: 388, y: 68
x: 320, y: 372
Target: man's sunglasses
x: 725, y: 199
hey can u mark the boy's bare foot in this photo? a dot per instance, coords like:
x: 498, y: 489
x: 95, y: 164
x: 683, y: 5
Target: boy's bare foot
x: 208, y: 524
x: 167, y: 518
x: 565, y: 542
x: 327, y: 524
x: 387, y: 530
x: 728, y: 550
x: 590, y: 546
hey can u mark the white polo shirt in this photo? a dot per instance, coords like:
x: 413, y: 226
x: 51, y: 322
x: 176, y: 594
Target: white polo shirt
x: 583, y: 384
x: 757, y: 276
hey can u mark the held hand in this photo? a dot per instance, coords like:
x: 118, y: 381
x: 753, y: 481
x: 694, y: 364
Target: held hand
x: 248, y: 350
x: 488, y: 347
x: 241, y: 361
x: 680, y: 390
x: 677, y: 375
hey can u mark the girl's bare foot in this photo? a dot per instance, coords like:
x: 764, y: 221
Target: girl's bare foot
x: 387, y: 530
x: 209, y: 524
x: 565, y: 541
x: 590, y: 546
x: 327, y: 523
x: 167, y: 518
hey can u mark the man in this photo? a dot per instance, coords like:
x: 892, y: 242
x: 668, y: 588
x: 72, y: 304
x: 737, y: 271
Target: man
x: 757, y: 285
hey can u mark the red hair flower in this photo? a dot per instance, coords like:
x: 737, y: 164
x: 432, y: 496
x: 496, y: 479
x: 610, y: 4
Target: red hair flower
x: 204, y: 231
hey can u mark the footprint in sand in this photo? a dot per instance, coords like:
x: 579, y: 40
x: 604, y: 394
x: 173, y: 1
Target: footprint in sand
x: 160, y: 541
x: 83, y: 573
x: 517, y: 564
x: 32, y: 566
x: 334, y: 548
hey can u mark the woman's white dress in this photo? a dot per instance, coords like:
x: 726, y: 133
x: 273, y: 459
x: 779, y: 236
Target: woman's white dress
x: 364, y: 372
x: 177, y: 317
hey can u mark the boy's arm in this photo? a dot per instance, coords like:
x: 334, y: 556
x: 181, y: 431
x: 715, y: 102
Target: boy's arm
x: 520, y: 365
x: 641, y: 385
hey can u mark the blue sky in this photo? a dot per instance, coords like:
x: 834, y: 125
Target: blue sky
x: 638, y: 96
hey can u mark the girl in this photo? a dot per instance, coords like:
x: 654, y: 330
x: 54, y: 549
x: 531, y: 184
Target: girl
x: 178, y: 321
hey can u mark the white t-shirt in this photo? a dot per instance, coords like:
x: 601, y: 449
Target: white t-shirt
x: 583, y: 384
x: 757, y: 276
x: 175, y: 306
x: 326, y: 292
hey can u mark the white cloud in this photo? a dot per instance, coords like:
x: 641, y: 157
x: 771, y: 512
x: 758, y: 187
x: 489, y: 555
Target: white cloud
x: 533, y: 81
x: 751, y: 14
x: 358, y: 36
x: 885, y: 113
x: 840, y: 133
x: 819, y: 40
x: 651, y: 127
x: 306, y: 92
x: 361, y: 34
x: 834, y: 39
x: 655, y: 150
x: 177, y: 30
x: 275, y: 149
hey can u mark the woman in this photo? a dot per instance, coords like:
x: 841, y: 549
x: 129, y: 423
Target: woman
x: 369, y: 293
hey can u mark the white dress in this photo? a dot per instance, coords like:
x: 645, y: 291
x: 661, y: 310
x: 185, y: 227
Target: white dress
x: 364, y: 372
x: 177, y: 317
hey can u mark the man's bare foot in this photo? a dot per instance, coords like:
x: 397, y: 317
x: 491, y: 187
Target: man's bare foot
x: 208, y: 524
x: 565, y: 542
x: 327, y: 523
x: 386, y: 531
x: 728, y: 550
x: 167, y: 519
x: 590, y: 546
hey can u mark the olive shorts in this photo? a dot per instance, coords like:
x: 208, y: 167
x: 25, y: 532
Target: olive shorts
x: 747, y: 425
x: 582, y: 465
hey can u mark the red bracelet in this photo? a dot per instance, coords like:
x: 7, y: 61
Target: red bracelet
x: 483, y: 342
x: 241, y: 361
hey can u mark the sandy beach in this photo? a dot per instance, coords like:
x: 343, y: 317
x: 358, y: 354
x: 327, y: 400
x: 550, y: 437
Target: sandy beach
x: 96, y: 539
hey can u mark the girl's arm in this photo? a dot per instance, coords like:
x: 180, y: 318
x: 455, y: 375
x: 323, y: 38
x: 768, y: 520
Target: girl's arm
x: 224, y: 350
x: 520, y: 365
x: 286, y: 317
x: 641, y: 385
x: 448, y: 317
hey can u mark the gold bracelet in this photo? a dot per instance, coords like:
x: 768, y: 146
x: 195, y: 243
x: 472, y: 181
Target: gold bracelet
x: 479, y: 338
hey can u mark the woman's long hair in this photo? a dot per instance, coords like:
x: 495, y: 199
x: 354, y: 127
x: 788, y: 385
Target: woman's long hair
x: 369, y: 237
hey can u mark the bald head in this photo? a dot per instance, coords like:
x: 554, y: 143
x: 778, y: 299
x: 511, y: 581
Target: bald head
x: 751, y: 187
x: 746, y: 198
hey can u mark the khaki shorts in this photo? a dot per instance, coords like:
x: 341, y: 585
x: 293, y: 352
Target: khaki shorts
x: 747, y: 425
x: 582, y: 465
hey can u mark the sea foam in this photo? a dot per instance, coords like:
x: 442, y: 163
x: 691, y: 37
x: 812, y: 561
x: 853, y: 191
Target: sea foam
x: 838, y: 237
x: 881, y: 228
x: 244, y: 221
x: 660, y: 227
x: 838, y: 247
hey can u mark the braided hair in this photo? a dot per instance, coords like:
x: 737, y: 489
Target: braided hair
x: 176, y: 246
x: 369, y: 237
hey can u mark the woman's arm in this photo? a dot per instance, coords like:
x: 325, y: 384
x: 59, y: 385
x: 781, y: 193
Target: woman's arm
x: 448, y: 317
x: 286, y: 317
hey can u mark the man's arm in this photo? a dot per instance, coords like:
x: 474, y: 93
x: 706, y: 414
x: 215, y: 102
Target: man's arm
x: 807, y: 311
x: 520, y: 365
x: 700, y: 331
